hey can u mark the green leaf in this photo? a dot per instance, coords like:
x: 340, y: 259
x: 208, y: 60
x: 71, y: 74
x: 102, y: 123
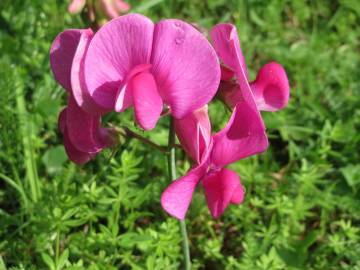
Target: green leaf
x: 48, y: 261
x: 63, y: 259
x: 54, y: 159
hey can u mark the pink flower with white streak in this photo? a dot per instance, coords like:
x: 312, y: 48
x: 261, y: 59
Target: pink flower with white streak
x: 243, y: 136
x: 132, y: 62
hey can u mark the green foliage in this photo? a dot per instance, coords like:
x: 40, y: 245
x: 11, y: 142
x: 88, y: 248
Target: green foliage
x: 302, y: 201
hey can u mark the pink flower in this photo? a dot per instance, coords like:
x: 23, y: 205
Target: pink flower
x: 243, y: 136
x: 76, y: 6
x: 114, y: 8
x: 110, y: 8
x: 270, y: 91
x: 83, y: 135
x: 133, y: 62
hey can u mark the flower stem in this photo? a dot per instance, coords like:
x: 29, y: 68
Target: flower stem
x: 172, y: 174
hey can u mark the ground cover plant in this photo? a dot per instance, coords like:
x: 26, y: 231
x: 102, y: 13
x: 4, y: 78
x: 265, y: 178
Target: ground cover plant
x: 301, y: 209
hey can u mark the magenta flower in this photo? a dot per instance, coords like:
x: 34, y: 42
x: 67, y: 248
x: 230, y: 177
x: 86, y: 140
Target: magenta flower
x: 270, y: 91
x: 83, y: 135
x: 243, y: 136
x: 133, y: 62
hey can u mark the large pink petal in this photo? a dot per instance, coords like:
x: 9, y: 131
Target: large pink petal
x: 78, y: 85
x: 84, y: 129
x: 194, y: 133
x: 62, y: 52
x: 220, y: 188
x: 148, y: 104
x: 271, y: 88
x: 243, y: 136
x: 185, y: 67
x: 227, y: 46
x: 177, y: 196
x: 115, y: 49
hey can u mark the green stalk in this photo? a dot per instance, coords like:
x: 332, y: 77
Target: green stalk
x: 25, y: 131
x: 57, y: 248
x: 172, y: 174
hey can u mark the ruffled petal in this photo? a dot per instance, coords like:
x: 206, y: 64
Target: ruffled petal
x: 221, y: 188
x: 84, y: 129
x: 271, y: 88
x: 177, y: 196
x: 185, y: 67
x: 62, y: 53
x: 194, y: 133
x: 243, y: 136
x: 115, y: 49
x: 148, y: 104
x: 227, y: 46
x: 78, y: 85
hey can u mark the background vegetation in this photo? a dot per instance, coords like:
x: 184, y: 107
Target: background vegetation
x: 302, y: 207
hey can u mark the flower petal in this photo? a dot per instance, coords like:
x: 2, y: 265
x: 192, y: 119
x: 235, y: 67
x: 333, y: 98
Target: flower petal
x: 243, y: 136
x: 115, y: 49
x: 62, y: 52
x: 227, y: 46
x: 109, y: 8
x: 194, y: 133
x: 124, y: 97
x: 271, y: 88
x: 122, y: 6
x: 74, y: 155
x: 185, y: 67
x: 79, y: 88
x: 223, y: 36
x: 76, y: 6
x: 238, y: 195
x: 178, y: 195
x: 148, y: 104
x: 84, y: 129
x: 220, y: 188
x: 62, y: 121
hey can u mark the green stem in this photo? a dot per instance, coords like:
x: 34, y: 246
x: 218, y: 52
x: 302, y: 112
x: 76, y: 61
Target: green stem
x: 25, y: 131
x: 172, y: 174
x: 57, y: 248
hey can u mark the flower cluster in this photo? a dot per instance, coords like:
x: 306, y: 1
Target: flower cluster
x: 133, y: 62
